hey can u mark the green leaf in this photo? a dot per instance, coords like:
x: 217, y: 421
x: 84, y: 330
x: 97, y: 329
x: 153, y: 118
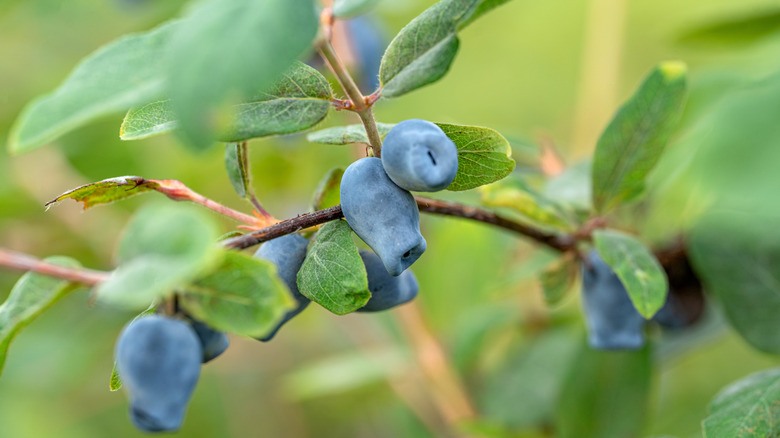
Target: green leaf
x: 572, y: 187
x: 333, y: 275
x: 327, y: 193
x: 484, y: 156
x: 163, y: 247
x: 115, y: 382
x: 559, y: 278
x: 242, y: 296
x: 106, y: 191
x: 345, y: 372
x: 237, y: 165
x: 605, y: 395
x: 736, y: 28
x: 748, y: 408
x: 739, y: 263
x: 422, y: 51
x: 31, y: 295
x: 112, y: 79
x: 297, y: 101
x: 351, y: 8
x: 339, y: 135
x: 523, y: 389
x: 634, y: 140
x: 638, y: 269
x: 228, y: 50
x: 515, y: 194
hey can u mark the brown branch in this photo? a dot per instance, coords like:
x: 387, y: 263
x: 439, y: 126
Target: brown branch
x: 25, y: 262
x: 426, y: 205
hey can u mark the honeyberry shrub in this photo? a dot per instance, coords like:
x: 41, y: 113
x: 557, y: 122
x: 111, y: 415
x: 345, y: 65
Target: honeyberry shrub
x: 676, y: 197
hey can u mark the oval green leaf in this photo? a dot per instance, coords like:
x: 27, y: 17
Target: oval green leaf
x: 484, y: 156
x: 340, y: 135
x: 638, y: 269
x: 333, y: 275
x: 631, y: 145
x: 121, y: 74
x: 296, y: 102
x: 513, y: 193
x: 227, y: 50
x: 31, y: 296
x: 748, y: 408
x: 243, y: 295
x: 163, y: 247
x: 422, y: 51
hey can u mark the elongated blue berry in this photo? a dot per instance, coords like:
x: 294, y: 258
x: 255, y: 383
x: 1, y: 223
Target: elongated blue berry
x: 287, y: 253
x: 159, y: 361
x: 612, y: 320
x: 387, y: 291
x: 384, y: 215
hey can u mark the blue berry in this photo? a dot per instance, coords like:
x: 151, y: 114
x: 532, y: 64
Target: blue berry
x: 287, y: 253
x: 384, y: 215
x: 418, y: 156
x: 612, y: 320
x: 159, y: 361
x: 387, y: 291
x: 213, y: 342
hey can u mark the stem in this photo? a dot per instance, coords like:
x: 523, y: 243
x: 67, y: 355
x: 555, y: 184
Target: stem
x: 448, y: 393
x: 426, y: 205
x: 177, y: 191
x: 25, y: 262
x: 361, y: 105
x: 243, y: 152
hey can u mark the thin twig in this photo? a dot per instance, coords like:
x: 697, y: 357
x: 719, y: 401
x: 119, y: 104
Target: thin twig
x: 426, y: 205
x: 25, y: 262
x: 360, y: 104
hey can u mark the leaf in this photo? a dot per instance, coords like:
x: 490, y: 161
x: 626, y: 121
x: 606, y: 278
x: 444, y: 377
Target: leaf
x: 345, y: 372
x: 515, y: 194
x: 297, y: 101
x: 242, y: 296
x: 559, y: 278
x: 327, y: 193
x: 115, y: 382
x: 106, y: 191
x: 351, y: 8
x: 422, y: 51
x: 31, y: 295
x: 736, y: 28
x: 340, y: 135
x: 738, y: 261
x: 605, y: 395
x: 522, y: 390
x: 112, y: 79
x: 747, y: 408
x: 484, y: 156
x: 163, y: 247
x: 227, y: 50
x: 237, y: 165
x: 572, y: 187
x: 634, y: 140
x: 333, y: 275
x: 638, y: 269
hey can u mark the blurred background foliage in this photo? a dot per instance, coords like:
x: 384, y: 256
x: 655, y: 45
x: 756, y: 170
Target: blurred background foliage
x: 539, y: 73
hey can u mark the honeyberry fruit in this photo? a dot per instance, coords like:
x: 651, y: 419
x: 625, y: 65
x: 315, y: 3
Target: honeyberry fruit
x: 212, y: 342
x: 368, y: 46
x: 287, y: 254
x: 418, y: 156
x: 387, y: 291
x: 159, y: 361
x: 384, y: 215
x: 612, y: 321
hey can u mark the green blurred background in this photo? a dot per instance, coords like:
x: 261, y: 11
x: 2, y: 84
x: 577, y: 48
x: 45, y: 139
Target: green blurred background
x: 538, y: 72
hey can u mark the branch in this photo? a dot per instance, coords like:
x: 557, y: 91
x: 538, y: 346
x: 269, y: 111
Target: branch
x: 24, y: 262
x: 426, y: 205
x: 360, y: 103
